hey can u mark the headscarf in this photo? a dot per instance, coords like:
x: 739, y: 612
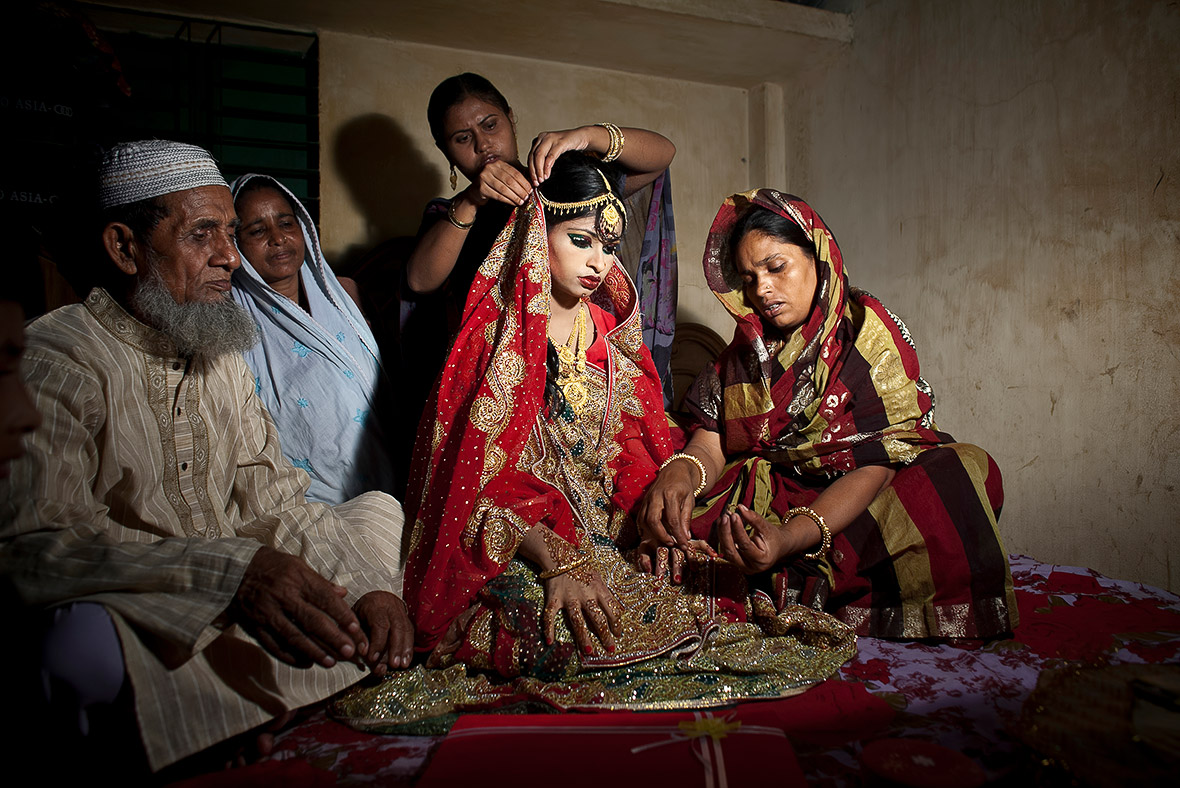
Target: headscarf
x: 843, y: 390
x: 318, y: 373
x: 476, y: 504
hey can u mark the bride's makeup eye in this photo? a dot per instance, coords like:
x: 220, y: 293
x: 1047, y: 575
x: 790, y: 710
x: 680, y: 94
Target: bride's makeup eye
x: 580, y: 241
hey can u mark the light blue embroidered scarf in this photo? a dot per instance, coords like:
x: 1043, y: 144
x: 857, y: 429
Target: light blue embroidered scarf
x: 317, y: 372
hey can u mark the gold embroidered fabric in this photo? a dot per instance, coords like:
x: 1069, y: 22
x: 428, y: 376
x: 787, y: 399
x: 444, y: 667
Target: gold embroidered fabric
x: 739, y: 662
x: 478, y: 609
x: 675, y: 650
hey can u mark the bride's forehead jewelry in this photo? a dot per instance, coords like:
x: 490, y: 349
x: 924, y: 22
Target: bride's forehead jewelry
x: 610, y: 218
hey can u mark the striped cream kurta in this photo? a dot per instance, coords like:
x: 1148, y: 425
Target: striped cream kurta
x: 148, y: 488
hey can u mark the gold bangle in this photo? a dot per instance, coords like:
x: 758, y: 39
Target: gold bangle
x: 455, y: 220
x: 617, y: 140
x: 700, y: 466
x: 561, y: 570
x: 825, y: 532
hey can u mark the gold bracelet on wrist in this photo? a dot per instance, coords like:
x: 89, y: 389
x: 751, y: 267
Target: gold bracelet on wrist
x: 561, y: 570
x: 700, y: 466
x: 455, y: 219
x: 825, y: 532
x: 617, y: 140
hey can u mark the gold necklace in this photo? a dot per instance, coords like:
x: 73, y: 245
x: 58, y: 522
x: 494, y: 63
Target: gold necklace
x: 572, y: 363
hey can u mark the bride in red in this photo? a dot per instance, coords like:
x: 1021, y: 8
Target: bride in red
x: 546, y: 427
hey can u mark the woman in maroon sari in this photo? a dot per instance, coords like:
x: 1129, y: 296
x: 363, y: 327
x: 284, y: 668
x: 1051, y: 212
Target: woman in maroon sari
x: 826, y: 481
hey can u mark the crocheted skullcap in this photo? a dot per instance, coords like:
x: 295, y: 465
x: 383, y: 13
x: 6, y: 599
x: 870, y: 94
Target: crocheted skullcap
x: 134, y: 171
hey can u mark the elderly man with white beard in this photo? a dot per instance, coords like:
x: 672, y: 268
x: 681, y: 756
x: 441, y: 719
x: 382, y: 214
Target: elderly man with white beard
x: 154, y: 518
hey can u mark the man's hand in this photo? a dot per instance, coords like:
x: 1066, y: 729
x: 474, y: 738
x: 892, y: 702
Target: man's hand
x: 391, y: 635
x: 297, y: 615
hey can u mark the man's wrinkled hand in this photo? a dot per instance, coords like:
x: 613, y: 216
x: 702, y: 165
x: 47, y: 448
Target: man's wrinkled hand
x: 297, y: 615
x: 390, y: 642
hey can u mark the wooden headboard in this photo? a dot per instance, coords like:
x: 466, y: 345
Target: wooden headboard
x: 694, y: 346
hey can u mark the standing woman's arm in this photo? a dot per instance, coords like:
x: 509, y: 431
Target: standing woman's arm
x: 438, y: 249
x: 644, y: 155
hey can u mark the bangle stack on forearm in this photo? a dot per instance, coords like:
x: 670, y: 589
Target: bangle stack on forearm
x: 617, y: 140
x: 825, y: 532
x: 696, y: 461
x: 455, y: 219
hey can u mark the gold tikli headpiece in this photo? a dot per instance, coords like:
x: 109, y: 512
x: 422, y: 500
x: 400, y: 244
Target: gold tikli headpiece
x: 610, y: 219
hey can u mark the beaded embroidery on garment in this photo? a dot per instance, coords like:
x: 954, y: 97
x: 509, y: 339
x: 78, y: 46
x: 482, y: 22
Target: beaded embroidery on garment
x: 478, y: 608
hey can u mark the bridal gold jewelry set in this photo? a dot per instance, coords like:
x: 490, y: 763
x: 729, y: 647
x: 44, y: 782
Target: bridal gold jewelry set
x: 572, y: 363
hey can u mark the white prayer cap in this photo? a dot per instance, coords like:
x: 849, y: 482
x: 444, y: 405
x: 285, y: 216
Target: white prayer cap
x: 134, y: 171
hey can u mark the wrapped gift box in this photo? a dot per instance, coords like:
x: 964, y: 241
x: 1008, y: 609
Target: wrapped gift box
x: 614, y: 748
x: 715, y: 749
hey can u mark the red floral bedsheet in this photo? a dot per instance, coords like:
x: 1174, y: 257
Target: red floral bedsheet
x: 967, y: 697
x: 963, y: 696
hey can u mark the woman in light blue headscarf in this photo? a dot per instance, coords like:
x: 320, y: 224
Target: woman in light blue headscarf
x: 317, y: 367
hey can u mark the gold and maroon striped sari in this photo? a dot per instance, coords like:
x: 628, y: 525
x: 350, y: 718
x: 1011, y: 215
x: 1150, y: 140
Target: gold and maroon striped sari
x: 842, y: 391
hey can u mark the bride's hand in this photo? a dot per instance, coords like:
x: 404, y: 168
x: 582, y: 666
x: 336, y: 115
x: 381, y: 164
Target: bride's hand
x: 660, y: 561
x: 589, y: 607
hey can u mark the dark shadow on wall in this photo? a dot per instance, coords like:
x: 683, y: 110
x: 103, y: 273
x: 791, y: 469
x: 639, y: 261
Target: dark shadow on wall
x: 389, y: 179
x: 390, y: 182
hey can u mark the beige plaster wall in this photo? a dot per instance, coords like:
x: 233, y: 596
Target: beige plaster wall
x: 1003, y: 174
x: 379, y: 164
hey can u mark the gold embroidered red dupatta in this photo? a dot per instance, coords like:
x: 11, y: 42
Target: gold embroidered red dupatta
x: 475, y: 503
x: 841, y: 391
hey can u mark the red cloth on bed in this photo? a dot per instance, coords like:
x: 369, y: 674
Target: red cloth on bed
x: 961, y: 695
x: 635, y: 747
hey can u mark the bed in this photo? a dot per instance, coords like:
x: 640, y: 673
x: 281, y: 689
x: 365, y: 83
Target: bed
x: 1077, y: 626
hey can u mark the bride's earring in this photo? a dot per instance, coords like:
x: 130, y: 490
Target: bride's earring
x: 454, y: 179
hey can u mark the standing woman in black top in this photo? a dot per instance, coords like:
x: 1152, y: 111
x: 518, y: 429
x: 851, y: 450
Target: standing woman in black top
x: 474, y: 127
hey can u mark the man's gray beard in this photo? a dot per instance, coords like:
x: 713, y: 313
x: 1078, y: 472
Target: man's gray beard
x: 198, y: 329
